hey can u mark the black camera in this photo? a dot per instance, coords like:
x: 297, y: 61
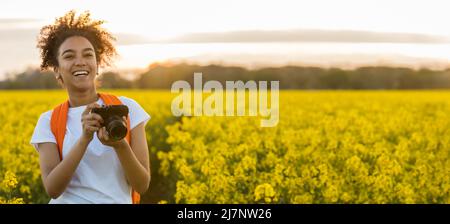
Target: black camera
x: 112, y: 120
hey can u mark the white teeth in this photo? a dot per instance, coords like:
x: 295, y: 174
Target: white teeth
x: 77, y: 73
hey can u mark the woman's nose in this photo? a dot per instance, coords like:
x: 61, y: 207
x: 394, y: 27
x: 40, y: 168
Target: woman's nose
x: 80, y: 61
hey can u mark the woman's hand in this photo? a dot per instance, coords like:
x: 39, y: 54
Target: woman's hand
x: 91, y: 122
x: 104, y: 138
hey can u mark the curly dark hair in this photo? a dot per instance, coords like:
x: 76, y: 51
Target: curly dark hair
x: 52, y: 36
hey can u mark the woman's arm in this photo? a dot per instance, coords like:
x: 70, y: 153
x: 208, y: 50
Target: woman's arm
x: 56, y: 174
x: 134, y: 158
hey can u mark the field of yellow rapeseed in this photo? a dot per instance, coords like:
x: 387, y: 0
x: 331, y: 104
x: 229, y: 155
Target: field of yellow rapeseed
x: 329, y: 147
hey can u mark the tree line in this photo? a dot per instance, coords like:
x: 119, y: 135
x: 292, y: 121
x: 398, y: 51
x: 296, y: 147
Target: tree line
x: 159, y: 76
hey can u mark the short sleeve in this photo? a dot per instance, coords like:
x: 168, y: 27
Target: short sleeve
x: 42, y: 132
x: 137, y: 113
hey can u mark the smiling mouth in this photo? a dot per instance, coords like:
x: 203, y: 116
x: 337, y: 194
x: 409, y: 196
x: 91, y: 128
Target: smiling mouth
x: 80, y: 73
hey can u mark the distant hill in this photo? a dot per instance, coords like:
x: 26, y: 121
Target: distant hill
x: 160, y: 76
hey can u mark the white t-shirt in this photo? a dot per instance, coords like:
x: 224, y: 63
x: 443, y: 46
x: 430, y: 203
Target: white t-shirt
x: 99, y: 178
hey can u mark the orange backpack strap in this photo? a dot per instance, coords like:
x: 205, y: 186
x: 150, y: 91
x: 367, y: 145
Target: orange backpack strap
x: 58, y: 124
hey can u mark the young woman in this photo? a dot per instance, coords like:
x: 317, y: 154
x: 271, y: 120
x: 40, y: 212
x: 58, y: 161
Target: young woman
x: 79, y: 162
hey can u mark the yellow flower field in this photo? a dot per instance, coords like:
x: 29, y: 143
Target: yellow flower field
x: 329, y: 147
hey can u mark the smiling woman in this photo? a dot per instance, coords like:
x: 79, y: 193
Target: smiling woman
x: 76, y: 69
x: 80, y: 162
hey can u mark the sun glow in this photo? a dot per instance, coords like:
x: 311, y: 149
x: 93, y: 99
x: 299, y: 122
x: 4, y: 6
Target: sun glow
x: 153, y: 22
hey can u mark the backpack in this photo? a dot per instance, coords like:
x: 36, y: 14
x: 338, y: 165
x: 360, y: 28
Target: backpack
x: 58, y: 124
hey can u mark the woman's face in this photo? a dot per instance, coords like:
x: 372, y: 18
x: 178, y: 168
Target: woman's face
x: 77, y: 64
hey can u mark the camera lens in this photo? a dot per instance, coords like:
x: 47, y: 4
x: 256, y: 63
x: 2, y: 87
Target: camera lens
x: 117, y: 130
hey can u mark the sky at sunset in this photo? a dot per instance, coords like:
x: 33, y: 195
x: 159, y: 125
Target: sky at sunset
x: 343, y: 33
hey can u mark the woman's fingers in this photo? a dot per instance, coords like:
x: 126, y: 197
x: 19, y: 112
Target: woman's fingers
x: 105, y: 134
x: 89, y: 107
x: 102, y: 134
x: 91, y: 126
x: 95, y: 116
x: 91, y: 129
x: 92, y: 116
x: 94, y: 123
x: 90, y: 122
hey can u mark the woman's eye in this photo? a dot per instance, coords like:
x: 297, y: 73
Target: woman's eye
x: 88, y: 55
x: 68, y: 56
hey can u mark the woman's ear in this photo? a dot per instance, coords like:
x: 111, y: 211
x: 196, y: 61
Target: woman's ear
x: 57, y: 74
x: 60, y: 81
x: 56, y: 71
x: 58, y: 77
